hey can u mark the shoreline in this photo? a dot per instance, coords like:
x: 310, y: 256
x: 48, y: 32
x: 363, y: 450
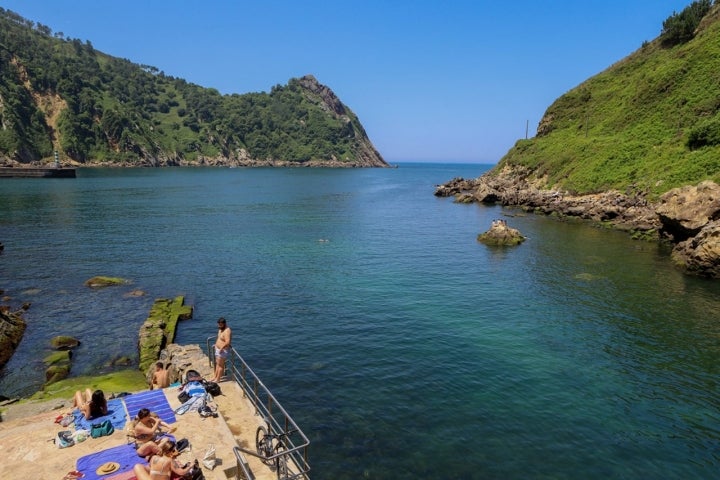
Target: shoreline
x: 683, y: 217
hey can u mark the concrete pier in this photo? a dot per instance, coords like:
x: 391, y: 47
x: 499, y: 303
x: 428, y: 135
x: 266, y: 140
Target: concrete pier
x: 36, y: 172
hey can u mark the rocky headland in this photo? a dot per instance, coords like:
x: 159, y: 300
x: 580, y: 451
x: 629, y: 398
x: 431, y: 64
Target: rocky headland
x: 687, y: 217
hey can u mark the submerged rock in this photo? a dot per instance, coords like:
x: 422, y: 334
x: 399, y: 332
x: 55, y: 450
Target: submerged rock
x: 501, y: 234
x: 64, y: 342
x: 100, y: 282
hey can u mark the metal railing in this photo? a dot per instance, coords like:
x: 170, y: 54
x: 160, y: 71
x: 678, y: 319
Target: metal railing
x: 277, y: 420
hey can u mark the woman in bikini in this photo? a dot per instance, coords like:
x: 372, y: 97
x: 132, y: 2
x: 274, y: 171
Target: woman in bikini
x: 163, y: 465
x: 146, y: 429
x: 92, y: 404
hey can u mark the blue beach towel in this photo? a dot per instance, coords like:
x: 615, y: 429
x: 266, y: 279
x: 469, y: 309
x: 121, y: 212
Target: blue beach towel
x: 153, y: 400
x: 116, y: 415
x: 125, y: 455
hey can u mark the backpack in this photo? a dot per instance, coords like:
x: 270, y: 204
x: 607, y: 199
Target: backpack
x: 64, y: 439
x: 101, y: 429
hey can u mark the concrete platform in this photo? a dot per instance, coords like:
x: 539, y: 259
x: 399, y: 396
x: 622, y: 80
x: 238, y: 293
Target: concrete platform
x: 28, y: 451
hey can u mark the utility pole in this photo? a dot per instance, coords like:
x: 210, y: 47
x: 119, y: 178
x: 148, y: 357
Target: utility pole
x: 527, y: 124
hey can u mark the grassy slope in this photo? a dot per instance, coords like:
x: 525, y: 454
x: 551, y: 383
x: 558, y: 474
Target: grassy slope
x: 627, y: 127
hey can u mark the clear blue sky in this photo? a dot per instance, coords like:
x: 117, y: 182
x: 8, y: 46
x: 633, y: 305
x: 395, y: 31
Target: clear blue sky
x: 452, y: 80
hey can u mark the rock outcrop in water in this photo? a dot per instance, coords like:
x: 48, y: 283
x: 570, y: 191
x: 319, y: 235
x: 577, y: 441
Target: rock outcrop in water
x: 688, y: 217
x: 501, y: 234
x: 12, y: 329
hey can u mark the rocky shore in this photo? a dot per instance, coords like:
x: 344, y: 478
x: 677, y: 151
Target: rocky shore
x: 687, y: 217
x: 12, y: 328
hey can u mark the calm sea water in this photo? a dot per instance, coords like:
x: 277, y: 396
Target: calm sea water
x: 402, y: 346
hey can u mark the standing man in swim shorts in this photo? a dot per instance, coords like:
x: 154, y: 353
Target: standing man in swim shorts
x: 222, y: 348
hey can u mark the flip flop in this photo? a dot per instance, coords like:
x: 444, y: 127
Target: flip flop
x: 59, y: 418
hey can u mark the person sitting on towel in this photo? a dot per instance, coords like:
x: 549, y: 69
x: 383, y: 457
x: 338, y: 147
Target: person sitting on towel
x: 146, y: 428
x: 92, y: 404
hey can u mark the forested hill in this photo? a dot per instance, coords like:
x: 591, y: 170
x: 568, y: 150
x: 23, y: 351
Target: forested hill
x: 60, y: 94
x: 647, y: 124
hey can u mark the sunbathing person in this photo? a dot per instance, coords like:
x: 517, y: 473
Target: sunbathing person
x: 163, y: 465
x: 146, y: 430
x: 92, y: 404
x: 160, y: 377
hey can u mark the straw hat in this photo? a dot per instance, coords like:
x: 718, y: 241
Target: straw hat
x: 107, y: 467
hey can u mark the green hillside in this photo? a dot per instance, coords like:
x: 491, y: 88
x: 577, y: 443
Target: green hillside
x: 649, y: 123
x: 61, y: 94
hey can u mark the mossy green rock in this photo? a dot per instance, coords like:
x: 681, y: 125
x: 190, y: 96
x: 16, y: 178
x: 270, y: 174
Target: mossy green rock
x: 64, y: 342
x: 158, y: 330
x: 61, y: 357
x: 100, y: 282
x: 55, y: 373
x: 121, y: 361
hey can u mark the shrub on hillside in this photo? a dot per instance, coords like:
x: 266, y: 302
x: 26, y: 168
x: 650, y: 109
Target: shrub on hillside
x: 705, y: 134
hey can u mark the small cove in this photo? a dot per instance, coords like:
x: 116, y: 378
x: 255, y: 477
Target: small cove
x: 404, y: 348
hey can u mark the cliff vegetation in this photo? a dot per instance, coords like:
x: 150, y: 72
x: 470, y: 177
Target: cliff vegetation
x: 60, y: 94
x: 646, y: 125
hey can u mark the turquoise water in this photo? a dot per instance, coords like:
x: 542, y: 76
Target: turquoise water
x: 402, y: 346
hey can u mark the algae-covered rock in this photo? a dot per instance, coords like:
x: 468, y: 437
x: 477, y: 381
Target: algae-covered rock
x: 56, y: 373
x: 64, y: 342
x: 158, y: 330
x: 123, y: 361
x: 100, y: 282
x: 59, y: 357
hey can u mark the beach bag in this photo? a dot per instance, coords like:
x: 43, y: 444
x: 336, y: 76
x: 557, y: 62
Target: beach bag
x: 195, y: 473
x: 101, y: 429
x: 64, y: 439
x: 207, y: 411
x: 81, y: 435
x: 209, y: 459
x: 184, y: 396
x: 212, y: 388
x: 182, y: 444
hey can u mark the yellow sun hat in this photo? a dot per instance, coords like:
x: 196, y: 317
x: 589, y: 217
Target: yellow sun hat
x: 107, y: 467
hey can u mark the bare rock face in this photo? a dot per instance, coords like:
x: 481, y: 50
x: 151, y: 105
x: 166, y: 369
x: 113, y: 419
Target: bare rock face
x: 700, y: 255
x: 178, y: 359
x: 501, y: 234
x: 685, y: 211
